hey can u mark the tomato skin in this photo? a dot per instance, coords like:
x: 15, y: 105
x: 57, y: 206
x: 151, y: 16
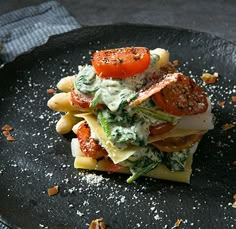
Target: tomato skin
x: 121, y: 63
x: 89, y: 146
x: 176, y: 144
x: 183, y: 97
x: 80, y: 100
x: 109, y: 166
x: 160, y: 128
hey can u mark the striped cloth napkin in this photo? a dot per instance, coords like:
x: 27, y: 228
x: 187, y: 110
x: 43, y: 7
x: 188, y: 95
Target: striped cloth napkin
x: 2, y: 226
x: 24, y: 29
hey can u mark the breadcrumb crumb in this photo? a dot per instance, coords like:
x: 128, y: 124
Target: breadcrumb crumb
x: 227, y: 126
x: 53, y: 191
x: 221, y: 103
x: 178, y: 222
x: 50, y: 91
x: 233, y: 98
x: 176, y: 63
x: 209, y: 78
x: 6, y: 132
x: 234, y: 204
x: 7, y: 127
x: 234, y: 196
x: 10, y: 138
x: 97, y: 224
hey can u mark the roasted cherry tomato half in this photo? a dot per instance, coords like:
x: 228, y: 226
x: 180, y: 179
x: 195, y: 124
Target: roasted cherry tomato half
x: 121, y: 63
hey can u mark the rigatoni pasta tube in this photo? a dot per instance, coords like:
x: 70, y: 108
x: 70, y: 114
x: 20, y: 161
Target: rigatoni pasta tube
x: 85, y: 163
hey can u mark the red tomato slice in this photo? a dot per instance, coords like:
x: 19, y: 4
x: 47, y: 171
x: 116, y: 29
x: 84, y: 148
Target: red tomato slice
x: 80, y: 100
x: 109, y: 166
x: 121, y: 63
x: 160, y: 128
x: 184, y: 97
x: 89, y: 146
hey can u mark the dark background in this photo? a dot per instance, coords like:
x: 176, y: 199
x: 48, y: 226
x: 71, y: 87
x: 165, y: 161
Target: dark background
x: 216, y: 17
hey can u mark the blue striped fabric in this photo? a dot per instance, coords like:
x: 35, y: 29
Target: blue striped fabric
x: 3, y: 226
x: 24, y: 29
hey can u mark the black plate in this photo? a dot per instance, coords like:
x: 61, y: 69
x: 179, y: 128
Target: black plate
x: 40, y: 158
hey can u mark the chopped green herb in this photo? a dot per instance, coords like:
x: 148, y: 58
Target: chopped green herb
x: 104, y: 123
x: 176, y: 161
x: 158, y: 114
x: 142, y: 167
x: 143, y: 162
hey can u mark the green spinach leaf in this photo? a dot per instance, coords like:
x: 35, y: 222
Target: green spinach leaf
x: 176, y: 161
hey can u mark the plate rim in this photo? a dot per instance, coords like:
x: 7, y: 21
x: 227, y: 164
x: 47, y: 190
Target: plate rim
x: 54, y: 37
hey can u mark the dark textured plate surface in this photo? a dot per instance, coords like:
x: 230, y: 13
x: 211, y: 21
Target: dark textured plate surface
x: 40, y: 158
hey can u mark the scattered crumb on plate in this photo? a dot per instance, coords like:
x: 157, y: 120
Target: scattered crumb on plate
x: 97, y: 224
x: 233, y: 98
x: 227, y: 126
x: 209, y: 78
x: 7, y: 127
x: 221, y: 103
x: 6, y: 132
x: 53, y: 190
x: 50, y: 91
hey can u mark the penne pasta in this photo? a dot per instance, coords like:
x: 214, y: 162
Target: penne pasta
x: 66, y: 84
x: 66, y: 122
x: 163, y: 57
x: 61, y: 102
